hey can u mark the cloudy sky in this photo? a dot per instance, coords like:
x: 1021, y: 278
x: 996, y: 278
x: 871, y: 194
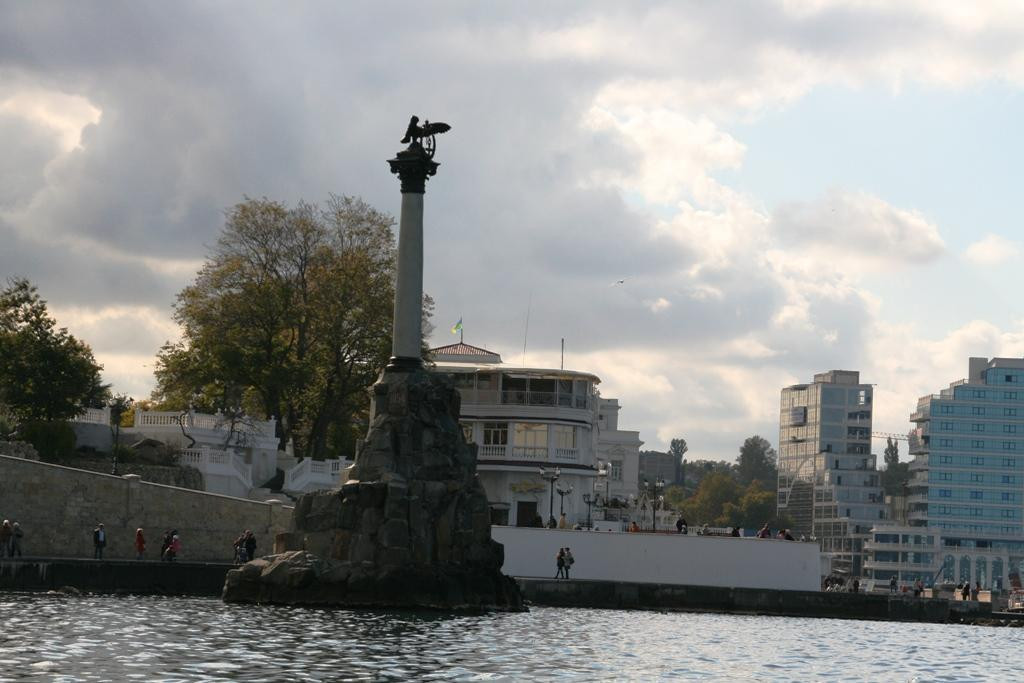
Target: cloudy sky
x: 786, y: 187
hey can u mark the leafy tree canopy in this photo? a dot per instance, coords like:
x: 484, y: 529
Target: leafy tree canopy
x: 756, y: 462
x: 289, y: 317
x: 46, y: 374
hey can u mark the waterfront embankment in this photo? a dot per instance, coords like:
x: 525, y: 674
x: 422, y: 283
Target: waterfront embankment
x: 655, y: 596
x: 113, y: 576
x: 207, y: 579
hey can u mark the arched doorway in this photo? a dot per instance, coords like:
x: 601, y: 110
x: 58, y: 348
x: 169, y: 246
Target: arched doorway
x: 949, y: 569
x: 981, y: 571
x: 965, y: 569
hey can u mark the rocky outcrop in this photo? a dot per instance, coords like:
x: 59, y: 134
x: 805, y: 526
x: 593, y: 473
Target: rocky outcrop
x: 411, y: 527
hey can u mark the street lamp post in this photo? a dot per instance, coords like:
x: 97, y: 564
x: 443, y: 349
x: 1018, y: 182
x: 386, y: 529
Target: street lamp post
x: 589, y: 500
x: 551, y: 476
x: 562, y: 493
x: 657, y: 500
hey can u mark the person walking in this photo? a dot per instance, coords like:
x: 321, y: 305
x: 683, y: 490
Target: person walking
x: 569, y: 561
x: 140, y: 544
x: 250, y: 546
x: 965, y: 592
x: 99, y: 541
x: 174, y: 549
x: 892, y: 583
x: 6, y: 532
x: 16, y: 534
x: 976, y: 590
x: 168, y: 537
x: 681, y: 526
x: 560, y: 564
x: 241, y: 557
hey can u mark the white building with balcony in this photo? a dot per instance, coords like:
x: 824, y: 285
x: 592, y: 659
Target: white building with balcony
x: 523, y: 419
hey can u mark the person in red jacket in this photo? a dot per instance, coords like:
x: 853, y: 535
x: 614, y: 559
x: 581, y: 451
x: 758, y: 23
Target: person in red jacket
x: 140, y: 544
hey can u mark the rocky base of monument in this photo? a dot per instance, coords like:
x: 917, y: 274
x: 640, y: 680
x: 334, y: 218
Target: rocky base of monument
x: 410, y: 528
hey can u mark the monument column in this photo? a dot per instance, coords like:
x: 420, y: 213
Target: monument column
x: 413, y: 166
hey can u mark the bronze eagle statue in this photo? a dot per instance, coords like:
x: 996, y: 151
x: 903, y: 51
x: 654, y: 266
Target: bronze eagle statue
x: 416, y: 132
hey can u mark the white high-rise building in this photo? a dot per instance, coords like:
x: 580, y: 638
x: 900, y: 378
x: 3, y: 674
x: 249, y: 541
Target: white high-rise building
x: 828, y: 482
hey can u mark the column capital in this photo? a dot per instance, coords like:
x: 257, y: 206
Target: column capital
x: 413, y: 166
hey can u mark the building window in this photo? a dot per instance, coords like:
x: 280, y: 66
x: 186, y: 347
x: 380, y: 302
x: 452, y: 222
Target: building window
x: 862, y: 397
x: 1009, y: 462
x: 1010, y: 395
x: 945, y: 476
x: 947, y: 443
x: 945, y: 493
x: 976, y: 495
x: 1007, y: 496
x: 463, y: 380
x: 565, y: 436
x: 946, y: 459
x: 1009, y: 446
x: 946, y: 426
x: 1010, y: 379
x: 977, y: 410
x: 977, y: 427
x: 979, y: 393
x: 947, y: 410
x: 1007, y: 479
x: 976, y: 444
x: 615, y: 467
x: 977, y: 477
x: 531, y: 435
x: 1007, y: 513
x: 1010, y: 412
x: 495, y: 433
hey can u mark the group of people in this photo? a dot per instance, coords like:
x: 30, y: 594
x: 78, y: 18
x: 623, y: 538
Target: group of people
x: 169, y: 549
x: 782, y: 535
x: 245, y: 547
x: 10, y: 539
x: 966, y: 592
x: 563, y: 561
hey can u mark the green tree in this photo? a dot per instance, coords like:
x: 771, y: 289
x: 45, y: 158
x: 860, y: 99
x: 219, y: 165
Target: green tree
x: 896, y: 474
x: 707, y: 505
x: 756, y: 462
x: 289, y: 317
x: 756, y: 506
x: 46, y: 374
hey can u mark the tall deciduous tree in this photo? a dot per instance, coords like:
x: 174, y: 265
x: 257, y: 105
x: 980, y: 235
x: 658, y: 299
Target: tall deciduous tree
x: 289, y: 317
x: 896, y: 473
x: 46, y: 374
x: 756, y: 462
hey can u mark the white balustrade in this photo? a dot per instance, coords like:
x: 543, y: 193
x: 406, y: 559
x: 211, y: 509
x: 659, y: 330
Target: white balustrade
x: 94, y: 416
x: 566, y: 454
x: 309, y: 474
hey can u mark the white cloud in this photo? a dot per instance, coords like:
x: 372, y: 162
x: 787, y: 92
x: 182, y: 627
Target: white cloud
x: 992, y: 250
x: 855, y: 229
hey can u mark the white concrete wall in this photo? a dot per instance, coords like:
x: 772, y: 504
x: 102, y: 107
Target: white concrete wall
x: 663, y: 558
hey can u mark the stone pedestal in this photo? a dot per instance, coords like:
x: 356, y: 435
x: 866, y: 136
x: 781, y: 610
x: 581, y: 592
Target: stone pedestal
x: 410, y: 528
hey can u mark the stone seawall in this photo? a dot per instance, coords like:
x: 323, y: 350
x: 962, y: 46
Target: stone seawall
x: 58, y: 507
x: 113, y: 576
x: 625, y: 595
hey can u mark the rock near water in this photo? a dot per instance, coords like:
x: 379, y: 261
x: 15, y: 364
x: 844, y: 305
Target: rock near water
x: 410, y: 528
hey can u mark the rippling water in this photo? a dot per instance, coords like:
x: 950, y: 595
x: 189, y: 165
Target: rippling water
x: 94, y: 638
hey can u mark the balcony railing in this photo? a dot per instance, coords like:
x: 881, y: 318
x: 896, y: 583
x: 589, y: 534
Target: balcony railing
x: 530, y: 452
x: 524, y: 398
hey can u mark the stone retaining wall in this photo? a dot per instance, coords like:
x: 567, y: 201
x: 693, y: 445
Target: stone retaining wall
x: 626, y: 595
x: 114, y: 576
x: 58, y: 507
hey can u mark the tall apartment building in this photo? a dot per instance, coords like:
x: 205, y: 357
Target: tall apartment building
x: 828, y: 482
x: 967, y: 480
